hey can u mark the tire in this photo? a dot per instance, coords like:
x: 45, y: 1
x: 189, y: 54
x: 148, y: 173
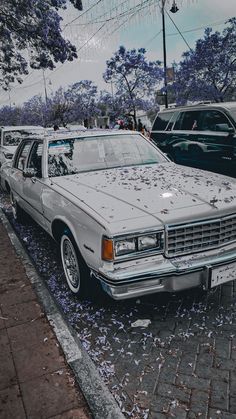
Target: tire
x: 18, y: 213
x: 76, y: 271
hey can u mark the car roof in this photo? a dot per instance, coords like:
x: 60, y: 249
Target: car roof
x: 88, y: 133
x: 21, y: 127
x: 221, y: 105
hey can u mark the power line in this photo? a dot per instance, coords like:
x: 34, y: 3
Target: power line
x: 82, y: 14
x: 129, y: 13
x: 222, y: 22
x: 155, y: 36
x: 104, y: 14
x: 182, y: 36
x: 134, y: 12
x: 143, y: 4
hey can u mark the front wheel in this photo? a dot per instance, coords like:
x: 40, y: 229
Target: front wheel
x: 76, y: 271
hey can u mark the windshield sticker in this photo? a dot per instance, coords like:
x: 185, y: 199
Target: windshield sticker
x: 59, y: 148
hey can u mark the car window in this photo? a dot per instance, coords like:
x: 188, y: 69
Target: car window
x: 162, y: 121
x: 71, y: 156
x: 213, y: 120
x: 22, y: 155
x: 188, y: 121
x: 35, y: 158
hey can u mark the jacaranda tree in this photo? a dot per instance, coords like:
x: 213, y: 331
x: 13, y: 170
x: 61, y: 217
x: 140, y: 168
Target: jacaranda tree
x: 209, y: 71
x: 35, y: 111
x: 31, y: 36
x: 134, y: 78
x: 60, y: 106
x: 10, y: 115
x: 83, y: 98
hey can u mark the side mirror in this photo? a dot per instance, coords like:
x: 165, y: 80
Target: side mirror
x: 29, y: 172
x: 224, y: 128
x: 231, y: 131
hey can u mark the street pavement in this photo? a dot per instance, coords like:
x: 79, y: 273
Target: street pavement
x: 182, y: 364
x: 35, y: 380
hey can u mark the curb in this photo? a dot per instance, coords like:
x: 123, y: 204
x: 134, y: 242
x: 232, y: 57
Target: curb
x: 100, y: 400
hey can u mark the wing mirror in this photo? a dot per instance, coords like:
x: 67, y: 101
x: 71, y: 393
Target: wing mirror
x: 29, y: 172
x: 231, y: 131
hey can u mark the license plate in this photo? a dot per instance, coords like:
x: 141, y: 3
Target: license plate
x: 223, y: 274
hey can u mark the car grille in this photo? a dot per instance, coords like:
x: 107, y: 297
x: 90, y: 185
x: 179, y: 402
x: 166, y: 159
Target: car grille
x: 199, y: 236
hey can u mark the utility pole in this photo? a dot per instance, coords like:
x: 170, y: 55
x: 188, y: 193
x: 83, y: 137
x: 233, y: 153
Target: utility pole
x: 164, y: 50
x: 173, y: 9
x: 45, y: 88
x: 9, y: 95
x: 112, y: 94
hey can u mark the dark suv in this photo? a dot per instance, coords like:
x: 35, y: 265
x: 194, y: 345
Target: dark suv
x: 201, y: 136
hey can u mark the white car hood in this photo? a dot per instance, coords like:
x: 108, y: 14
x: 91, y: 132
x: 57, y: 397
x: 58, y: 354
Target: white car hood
x: 168, y: 192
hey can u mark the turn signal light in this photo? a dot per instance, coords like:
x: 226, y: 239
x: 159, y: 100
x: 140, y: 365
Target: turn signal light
x: 107, y: 249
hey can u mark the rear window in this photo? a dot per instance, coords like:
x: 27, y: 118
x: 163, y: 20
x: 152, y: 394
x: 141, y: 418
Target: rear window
x: 162, y: 121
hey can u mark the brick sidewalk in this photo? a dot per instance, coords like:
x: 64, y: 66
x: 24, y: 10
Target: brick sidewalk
x: 35, y: 381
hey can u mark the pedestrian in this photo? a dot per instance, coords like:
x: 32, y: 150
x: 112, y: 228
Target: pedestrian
x: 194, y: 127
x: 140, y: 125
x: 56, y: 127
x: 121, y: 124
x: 130, y: 125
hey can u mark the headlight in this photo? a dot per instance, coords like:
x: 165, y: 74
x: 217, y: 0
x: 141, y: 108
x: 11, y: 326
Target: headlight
x: 125, y: 246
x: 132, y: 245
x: 147, y: 242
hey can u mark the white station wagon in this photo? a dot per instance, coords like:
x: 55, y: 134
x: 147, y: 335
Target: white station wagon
x: 126, y: 217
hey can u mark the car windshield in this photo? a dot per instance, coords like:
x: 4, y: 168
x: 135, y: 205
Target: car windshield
x: 70, y: 156
x: 13, y: 138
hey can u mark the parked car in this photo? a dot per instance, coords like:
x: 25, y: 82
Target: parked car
x: 4, y: 174
x: 124, y: 215
x: 202, y: 136
x: 10, y: 136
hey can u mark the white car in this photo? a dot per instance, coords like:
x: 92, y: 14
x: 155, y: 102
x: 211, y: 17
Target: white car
x: 124, y: 215
x: 4, y: 174
x: 10, y: 137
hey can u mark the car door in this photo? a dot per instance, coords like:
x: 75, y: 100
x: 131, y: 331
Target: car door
x: 34, y: 186
x: 1, y: 147
x: 16, y: 178
x: 182, y: 146
x: 215, y: 137
x: 161, y: 130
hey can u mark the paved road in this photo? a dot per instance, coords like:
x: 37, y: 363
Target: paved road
x: 183, y: 364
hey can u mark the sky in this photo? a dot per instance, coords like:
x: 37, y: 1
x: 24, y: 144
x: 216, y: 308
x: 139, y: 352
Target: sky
x: 104, y: 25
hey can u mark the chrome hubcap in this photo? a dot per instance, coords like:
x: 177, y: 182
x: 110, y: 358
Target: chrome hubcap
x: 70, y: 264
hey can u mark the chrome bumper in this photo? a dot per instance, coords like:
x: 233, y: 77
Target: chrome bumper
x: 157, y: 274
